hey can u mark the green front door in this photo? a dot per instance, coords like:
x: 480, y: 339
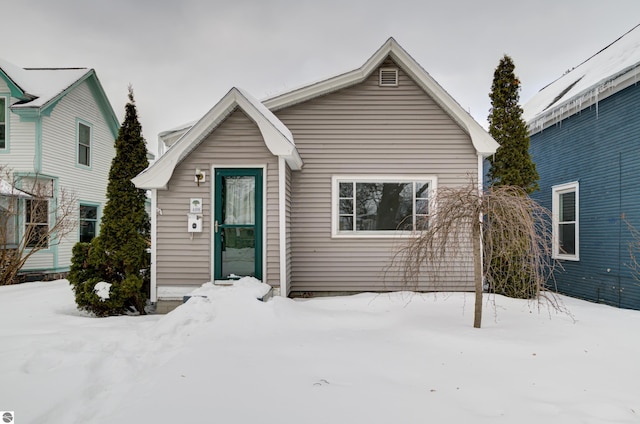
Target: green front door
x: 238, y: 223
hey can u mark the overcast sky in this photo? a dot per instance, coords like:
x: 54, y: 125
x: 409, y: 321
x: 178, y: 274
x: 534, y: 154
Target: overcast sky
x: 182, y: 56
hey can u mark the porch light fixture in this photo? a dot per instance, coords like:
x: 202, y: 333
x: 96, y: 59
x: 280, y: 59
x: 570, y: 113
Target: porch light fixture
x: 200, y: 176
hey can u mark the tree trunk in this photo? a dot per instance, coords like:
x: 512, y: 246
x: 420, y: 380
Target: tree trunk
x: 477, y: 274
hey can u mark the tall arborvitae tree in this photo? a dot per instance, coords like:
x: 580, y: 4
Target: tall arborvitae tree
x: 118, y: 256
x: 512, y: 164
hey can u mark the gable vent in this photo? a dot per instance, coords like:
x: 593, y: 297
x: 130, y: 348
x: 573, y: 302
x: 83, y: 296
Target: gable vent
x: 388, y: 77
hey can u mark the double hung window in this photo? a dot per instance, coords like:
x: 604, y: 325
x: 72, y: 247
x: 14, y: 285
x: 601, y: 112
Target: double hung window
x: 84, y: 144
x: 3, y: 123
x: 88, y: 222
x: 37, y: 223
x: 565, y: 221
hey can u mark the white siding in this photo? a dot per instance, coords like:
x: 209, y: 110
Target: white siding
x: 22, y: 135
x: 59, y: 152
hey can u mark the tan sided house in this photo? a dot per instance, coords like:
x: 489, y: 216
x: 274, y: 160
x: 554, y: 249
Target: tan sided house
x: 312, y: 190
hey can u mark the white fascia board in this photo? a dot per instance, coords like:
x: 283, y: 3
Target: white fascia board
x: 483, y: 143
x: 276, y: 135
x: 481, y: 139
x: 157, y: 176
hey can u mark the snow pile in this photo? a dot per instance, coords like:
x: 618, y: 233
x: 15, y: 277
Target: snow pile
x: 224, y: 356
x: 103, y: 290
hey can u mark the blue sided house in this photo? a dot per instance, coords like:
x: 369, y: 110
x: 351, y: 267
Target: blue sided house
x: 585, y: 141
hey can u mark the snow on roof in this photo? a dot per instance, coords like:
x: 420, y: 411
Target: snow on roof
x: 7, y: 189
x: 42, y: 84
x: 582, y: 85
x: 177, y: 129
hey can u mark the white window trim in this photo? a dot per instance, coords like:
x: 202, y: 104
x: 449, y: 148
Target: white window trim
x: 86, y: 124
x: 557, y: 190
x: 335, y: 194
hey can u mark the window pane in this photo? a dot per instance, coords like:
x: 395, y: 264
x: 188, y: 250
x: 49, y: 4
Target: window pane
x: 346, y: 223
x: 568, y: 206
x: 422, y: 207
x: 422, y: 190
x: 383, y: 206
x: 346, y: 189
x: 567, y: 239
x: 88, y: 212
x: 84, y: 134
x: 346, y: 207
x: 83, y: 155
x: 37, y: 235
x: 238, y: 252
x: 238, y: 197
x: 87, y: 231
x: 3, y: 103
x: 37, y: 211
x: 3, y: 139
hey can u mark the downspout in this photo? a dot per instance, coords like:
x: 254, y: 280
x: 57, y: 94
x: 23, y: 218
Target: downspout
x: 480, y: 189
x: 282, y: 221
x: 154, y: 226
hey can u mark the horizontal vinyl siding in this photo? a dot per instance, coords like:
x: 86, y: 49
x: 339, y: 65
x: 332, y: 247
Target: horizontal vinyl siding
x: 185, y: 261
x: 59, y: 155
x: 600, y: 149
x: 367, y: 130
x: 22, y: 141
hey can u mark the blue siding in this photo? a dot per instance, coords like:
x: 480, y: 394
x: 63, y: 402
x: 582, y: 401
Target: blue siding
x: 600, y: 148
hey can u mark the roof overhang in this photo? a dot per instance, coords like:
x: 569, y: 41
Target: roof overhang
x: 584, y: 99
x: 276, y: 135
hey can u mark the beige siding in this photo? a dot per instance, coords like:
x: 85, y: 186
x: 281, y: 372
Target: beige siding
x: 367, y: 130
x: 182, y: 260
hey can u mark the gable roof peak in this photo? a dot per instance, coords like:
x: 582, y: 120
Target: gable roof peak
x: 482, y: 141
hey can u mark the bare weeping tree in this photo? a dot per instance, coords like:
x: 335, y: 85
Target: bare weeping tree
x: 32, y: 218
x: 634, y: 251
x: 501, y: 225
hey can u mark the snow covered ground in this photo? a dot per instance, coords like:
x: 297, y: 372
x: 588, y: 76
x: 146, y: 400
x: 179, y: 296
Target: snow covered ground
x: 392, y: 358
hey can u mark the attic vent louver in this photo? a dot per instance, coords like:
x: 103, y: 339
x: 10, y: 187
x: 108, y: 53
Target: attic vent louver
x: 388, y: 77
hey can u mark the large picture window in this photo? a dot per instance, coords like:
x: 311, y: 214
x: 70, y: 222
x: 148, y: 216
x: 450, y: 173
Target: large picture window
x: 381, y: 205
x: 37, y: 223
x: 84, y: 144
x: 3, y: 123
x: 565, y: 221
